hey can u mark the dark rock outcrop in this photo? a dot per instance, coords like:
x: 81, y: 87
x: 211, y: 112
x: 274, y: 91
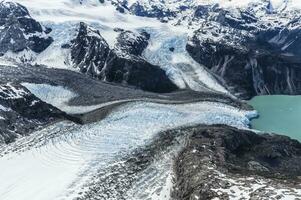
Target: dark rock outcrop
x: 89, y: 51
x: 154, y: 11
x: 218, y: 157
x: 132, y: 43
x: 252, y: 70
x: 215, y: 13
x: 18, y: 31
x: 137, y: 72
x: 21, y: 112
x: 123, y: 64
x: 249, y: 57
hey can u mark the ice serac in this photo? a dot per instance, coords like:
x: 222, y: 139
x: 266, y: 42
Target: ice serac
x: 18, y: 31
x: 123, y: 64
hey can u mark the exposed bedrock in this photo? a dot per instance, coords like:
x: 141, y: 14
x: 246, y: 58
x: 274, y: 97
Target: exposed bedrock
x: 155, y: 11
x: 132, y: 43
x: 19, y: 31
x: 123, y: 64
x: 89, y: 51
x: 264, y: 62
x: 224, y: 162
x: 21, y: 112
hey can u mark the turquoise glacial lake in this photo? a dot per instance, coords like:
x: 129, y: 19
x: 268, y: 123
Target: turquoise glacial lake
x: 278, y: 114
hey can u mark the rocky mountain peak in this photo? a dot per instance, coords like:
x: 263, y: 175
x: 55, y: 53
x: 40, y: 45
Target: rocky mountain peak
x: 122, y: 64
x: 133, y: 43
x: 89, y: 50
x: 18, y: 31
x: 12, y: 9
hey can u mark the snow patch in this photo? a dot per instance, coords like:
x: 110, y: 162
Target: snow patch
x: 59, y: 97
x: 4, y: 108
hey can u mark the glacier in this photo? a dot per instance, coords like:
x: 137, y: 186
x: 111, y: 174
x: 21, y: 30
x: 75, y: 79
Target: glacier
x: 65, y: 160
x: 56, y: 162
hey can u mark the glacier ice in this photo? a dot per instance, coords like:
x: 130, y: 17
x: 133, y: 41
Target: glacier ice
x: 57, y: 161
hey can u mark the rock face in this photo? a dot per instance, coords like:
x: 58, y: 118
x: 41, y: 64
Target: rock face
x: 219, y: 159
x: 250, y: 57
x: 253, y: 49
x: 154, y: 11
x: 21, y: 112
x: 254, y: 68
x: 123, y: 64
x: 18, y: 31
x: 193, y: 10
x: 89, y: 51
x: 132, y: 43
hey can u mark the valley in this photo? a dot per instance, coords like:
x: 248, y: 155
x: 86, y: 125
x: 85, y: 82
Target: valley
x: 150, y: 99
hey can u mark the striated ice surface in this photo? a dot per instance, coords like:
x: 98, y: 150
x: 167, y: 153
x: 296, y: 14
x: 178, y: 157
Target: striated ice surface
x: 56, y: 162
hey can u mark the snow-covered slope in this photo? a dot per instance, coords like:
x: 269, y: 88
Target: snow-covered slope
x: 64, y: 16
x: 174, y: 10
x: 177, y: 19
x: 273, y: 25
